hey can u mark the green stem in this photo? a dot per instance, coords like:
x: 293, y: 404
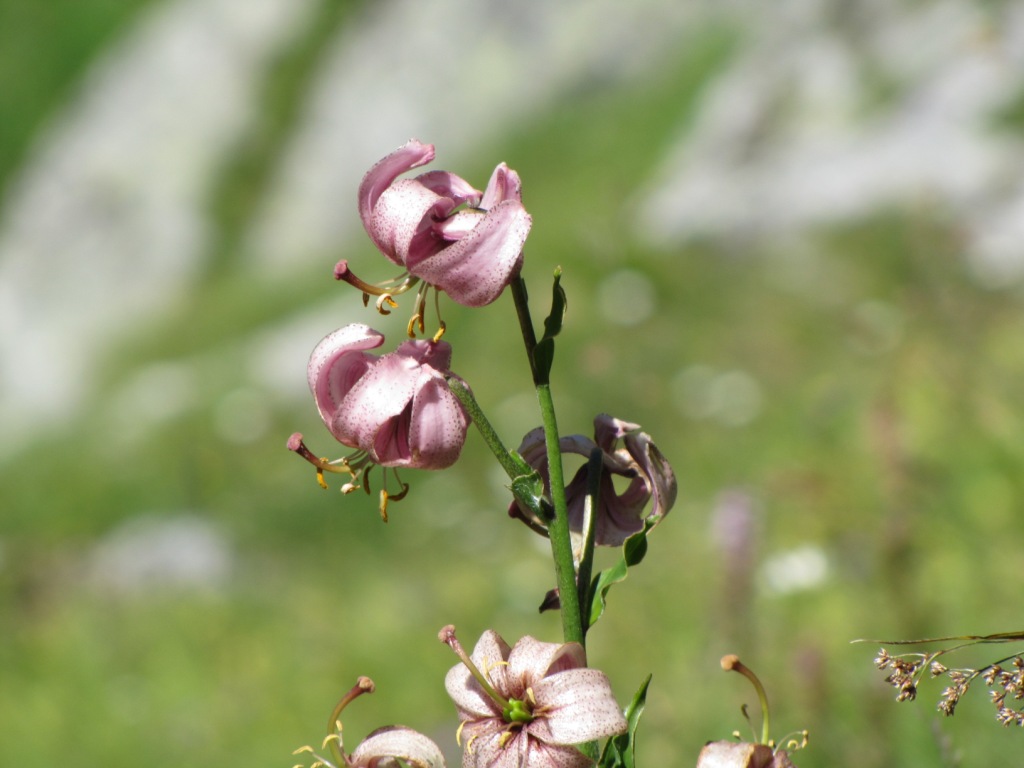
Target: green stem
x: 513, y: 464
x: 558, y: 526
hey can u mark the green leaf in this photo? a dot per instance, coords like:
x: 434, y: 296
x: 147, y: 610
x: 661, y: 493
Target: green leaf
x: 553, y: 322
x: 634, y: 549
x: 544, y: 351
x: 529, y: 490
x: 620, y: 751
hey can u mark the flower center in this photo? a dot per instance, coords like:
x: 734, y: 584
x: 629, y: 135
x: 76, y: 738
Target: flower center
x: 517, y: 711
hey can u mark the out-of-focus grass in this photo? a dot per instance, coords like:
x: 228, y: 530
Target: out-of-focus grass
x: 887, y: 436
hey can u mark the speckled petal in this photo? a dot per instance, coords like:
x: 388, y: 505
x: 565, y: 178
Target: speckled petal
x: 490, y: 651
x: 579, y: 707
x: 336, y: 365
x: 410, y: 155
x: 402, y: 412
x: 521, y: 751
x: 400, y: 224
x: 503, y: 185
x: 438, y: 425
x: 474, y: 270
x: 531, y: 659
x: 385, y: 744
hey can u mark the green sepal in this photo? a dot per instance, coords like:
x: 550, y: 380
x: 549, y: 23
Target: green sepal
x: 620, y: 751
x: 544, y: 352
x: 529, y: 490
x: 634, y: 549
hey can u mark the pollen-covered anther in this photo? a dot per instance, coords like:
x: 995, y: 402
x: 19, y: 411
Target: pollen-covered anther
x: 384, y: 301
x: 415, y: 322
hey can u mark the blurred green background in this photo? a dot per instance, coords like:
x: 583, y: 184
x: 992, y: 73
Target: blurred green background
x: 838, y: 384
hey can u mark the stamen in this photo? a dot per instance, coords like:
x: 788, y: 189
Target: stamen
x: 440, y: 322
x: 397, y: 285
x: 504, y: 739
x: 336, y: 737
x: 731, y: 663
x: 340, y: 466
x: 385, y: 298
x: 384, y: 505
x: 414, y: 322
x: 447, y: 636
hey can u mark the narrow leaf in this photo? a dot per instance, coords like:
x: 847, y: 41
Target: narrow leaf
x: 620, y: 751
x: 634, y: 549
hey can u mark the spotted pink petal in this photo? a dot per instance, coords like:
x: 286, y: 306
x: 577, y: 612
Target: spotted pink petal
x: 402, y: 412
x: 410, y: 155
x: 475, y: 269
x: 382, y: 746
x: 580, y: 707
x: 336, y: 364
x: 503, y: 185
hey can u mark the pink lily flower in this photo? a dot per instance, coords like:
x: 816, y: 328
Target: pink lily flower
x: 397, y: 407
x: 442, y: 230
x: 619, y: 515
x: 527, y: 706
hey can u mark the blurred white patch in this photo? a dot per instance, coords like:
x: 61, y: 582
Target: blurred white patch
x: 153, y: 552
x: 732, y: 398
x: 242, y: 416
x: 626, y: 297
x: 107, y: 222
x: 793, y: 133
x: 795, y: 570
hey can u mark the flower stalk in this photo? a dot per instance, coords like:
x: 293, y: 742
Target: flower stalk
x: 558, y: 527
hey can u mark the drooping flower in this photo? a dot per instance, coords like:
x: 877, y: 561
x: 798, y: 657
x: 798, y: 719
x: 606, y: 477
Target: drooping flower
x: 619, y: 515
x: 383, y: 747
x: 528, y: 706
x: 396, y: 410
x: 440, y: 229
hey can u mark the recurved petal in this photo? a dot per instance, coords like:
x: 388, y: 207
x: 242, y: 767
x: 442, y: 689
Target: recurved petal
x: 438, y: 424
x: 474, y: 270
x: 579, y: 707
x: 382, y: 746
x: 337, y: 363
x: 410, y: 155
x: 656, y: 469
x: 449, y: 185
x: 375, y: 403
x: 608, y: 429
x: 503, y: 185
x: 400, y: 222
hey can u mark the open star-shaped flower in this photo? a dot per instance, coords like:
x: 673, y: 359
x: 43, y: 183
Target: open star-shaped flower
x: 528, y: 706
